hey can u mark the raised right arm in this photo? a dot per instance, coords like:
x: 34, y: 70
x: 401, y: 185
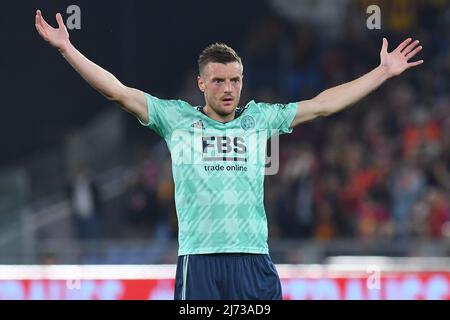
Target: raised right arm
x: 132, y: 100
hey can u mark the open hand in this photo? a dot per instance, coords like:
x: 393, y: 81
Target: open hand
x: 397, y: 61
x: 59, y: 37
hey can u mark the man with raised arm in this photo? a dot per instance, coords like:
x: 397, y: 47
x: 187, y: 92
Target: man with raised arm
x: 217, y: 165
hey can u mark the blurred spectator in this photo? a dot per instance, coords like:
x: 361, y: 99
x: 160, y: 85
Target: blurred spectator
x: 142, y: 209
x: 422, y: 131
x: 407, y: 185
x: 85, y: 204
x: 48, y: 259
x: 439, y: 214
x: 373, y: 220
x: 325, y: 227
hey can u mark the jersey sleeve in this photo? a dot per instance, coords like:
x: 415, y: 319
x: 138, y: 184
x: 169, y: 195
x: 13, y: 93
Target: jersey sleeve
x: 163, y: 115
x: 278, y: 116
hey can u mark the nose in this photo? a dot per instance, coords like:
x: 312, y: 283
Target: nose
x: 228, y: 87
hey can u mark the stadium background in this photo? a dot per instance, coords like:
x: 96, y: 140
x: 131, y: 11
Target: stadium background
x: 364, y: 194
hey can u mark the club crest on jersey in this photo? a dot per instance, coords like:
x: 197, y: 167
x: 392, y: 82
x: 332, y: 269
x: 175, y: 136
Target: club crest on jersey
x: 198, y: 124
x: 247, y: 122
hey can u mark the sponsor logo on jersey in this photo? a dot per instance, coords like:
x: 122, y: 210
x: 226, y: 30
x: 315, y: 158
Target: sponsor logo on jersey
x: 223, y: 148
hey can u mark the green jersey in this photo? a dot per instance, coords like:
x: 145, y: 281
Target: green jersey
x: 218, y: 171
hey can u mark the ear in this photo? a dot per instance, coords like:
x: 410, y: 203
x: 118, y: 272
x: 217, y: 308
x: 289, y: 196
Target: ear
x: 201, y: 84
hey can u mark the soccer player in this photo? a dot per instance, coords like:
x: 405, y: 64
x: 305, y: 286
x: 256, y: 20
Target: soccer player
x: 217, y: 165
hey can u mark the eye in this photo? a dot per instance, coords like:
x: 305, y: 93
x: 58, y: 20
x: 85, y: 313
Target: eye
x: 217, y: 80
x: 236, y: 81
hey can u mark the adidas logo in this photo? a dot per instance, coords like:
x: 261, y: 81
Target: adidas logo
x: 198, y: 124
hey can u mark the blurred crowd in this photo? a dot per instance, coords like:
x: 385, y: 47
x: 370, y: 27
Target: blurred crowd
x: 380, y: 169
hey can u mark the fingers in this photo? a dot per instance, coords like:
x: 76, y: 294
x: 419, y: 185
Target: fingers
x: 403, y: 45
x: 385, y: 45
x: 41, y: 32
x: 410, y: 47
x: 413, y: 53
x: 60, y: 21
x: 414, y: 64
x: 41, y: 20
x: 37, y: 18
x: 39, y: 27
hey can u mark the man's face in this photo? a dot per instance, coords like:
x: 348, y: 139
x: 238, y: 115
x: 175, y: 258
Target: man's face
x: 222, y: 85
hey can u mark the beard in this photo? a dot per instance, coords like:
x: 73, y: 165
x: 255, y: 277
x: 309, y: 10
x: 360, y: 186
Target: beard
x: 224, y: 109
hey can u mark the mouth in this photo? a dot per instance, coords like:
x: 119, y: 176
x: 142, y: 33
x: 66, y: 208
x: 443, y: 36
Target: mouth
x: 227, y: 100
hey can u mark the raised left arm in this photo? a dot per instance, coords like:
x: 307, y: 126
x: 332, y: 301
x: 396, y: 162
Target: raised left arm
x: 340, y: 97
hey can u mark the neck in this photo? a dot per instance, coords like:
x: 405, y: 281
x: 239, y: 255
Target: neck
x: 215, y: 116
